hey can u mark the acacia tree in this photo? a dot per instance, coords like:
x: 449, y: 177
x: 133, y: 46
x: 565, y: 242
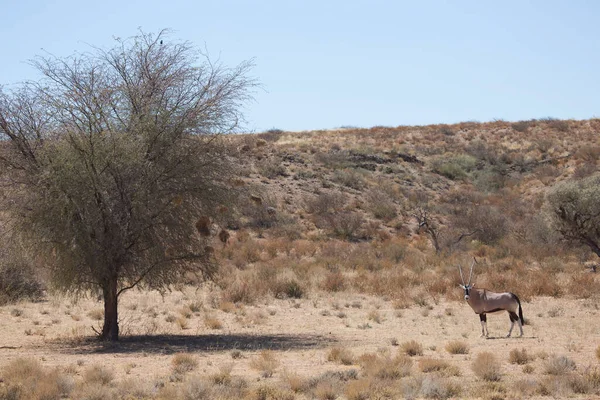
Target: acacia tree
x: 112, y: 157
x: 575, y: 210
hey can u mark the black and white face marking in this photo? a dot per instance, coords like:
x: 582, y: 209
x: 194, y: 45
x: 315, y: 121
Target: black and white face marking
x: 467, y: 289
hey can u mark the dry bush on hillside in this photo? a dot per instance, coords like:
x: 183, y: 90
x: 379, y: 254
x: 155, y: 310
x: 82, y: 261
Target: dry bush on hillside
x: 380, y: 205
x: 522, y: 126
x: 334, y: 281
x: 455, y: 167
x: 272, y: 168
x: 325, y: 202
x: 351, y: 178
x: 556, y: 124
x: 271, y: 135
x: 345, y: 225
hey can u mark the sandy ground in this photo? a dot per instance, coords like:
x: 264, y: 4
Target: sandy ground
x: 300, y: 332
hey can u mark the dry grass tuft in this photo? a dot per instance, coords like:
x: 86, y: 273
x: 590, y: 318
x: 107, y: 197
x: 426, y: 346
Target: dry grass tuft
x: 457, y: 347
x: 326, y: 390
x: 375, y: 316
x: 435, y: 387
x: 24, y: 378
x: 266, y: 362
x: 212, y: 322
x: 340, y: 355
x: 295, y: 382
x: 598, y: 352
x: 385, y: 367
x: 412, y: 348
x: 487, y: 367
x: 490, y: 390
x: 96, y: 314
x: 183, y: 362
x: 223, y: 376
x: 334, y: 282
x: 559, y: 365
x: 441, y: 366
x: 520, y: 357
x: 182, y: 323
x: 361, y: 389
x: 99, y: 375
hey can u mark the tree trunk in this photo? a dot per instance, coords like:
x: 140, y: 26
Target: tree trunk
x: 110, y: 331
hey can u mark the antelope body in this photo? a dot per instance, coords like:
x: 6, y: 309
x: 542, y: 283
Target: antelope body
x: 484, y: 301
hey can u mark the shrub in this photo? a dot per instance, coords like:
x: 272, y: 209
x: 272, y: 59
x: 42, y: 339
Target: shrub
x: 380, y: 205
x: 486, y: 367
x: 266, y: 363
x: 457, y: 347
x: 288, y: 288
x: 272, y: 135
x: 212, y: 322
x: 325, y: 202
x: 556, y: 124
x: 598, y: 352
x: 412, y: 348
x: 350, y: 178
x: 385, y: 367
x: 361, y: 389
x: 184, y: 362
x: 345, y: 225
x: 18, y: 282
x: 434, y: 387
x: 340, y: 355
x: 98, y: 375
x: 334, y: 281
x: 455, y: 168
x: 272, y: 168
x: 520, y: 357
x: 443, y: 367
x: 559, y: 365
x: 521, y: 126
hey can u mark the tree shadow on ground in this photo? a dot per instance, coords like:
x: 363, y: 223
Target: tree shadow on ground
x: 168, y: 344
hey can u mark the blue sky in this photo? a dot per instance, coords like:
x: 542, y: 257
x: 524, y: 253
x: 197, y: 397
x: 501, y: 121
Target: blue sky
x: 325, y: 64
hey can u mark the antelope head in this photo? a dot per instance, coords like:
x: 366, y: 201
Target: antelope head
x: 466, y: 286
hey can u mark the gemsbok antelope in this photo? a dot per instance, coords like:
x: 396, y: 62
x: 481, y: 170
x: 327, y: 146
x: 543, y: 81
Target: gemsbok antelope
x: 483, y: 301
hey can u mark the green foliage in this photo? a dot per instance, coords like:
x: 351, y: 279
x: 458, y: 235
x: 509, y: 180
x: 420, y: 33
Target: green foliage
x: 456, y: 167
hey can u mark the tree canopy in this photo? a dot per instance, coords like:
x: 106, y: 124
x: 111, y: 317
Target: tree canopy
x: 575, y: 210
x: 113, y: 155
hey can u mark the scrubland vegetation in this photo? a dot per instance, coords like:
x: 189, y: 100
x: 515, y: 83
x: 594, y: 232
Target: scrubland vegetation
x: 339, y: 277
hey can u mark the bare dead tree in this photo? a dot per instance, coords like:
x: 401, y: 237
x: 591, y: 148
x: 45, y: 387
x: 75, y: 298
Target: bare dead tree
x: 427, y: 223
x: 113, y: 155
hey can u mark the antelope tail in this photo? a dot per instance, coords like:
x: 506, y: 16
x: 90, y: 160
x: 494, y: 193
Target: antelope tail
x: 520, y: 309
